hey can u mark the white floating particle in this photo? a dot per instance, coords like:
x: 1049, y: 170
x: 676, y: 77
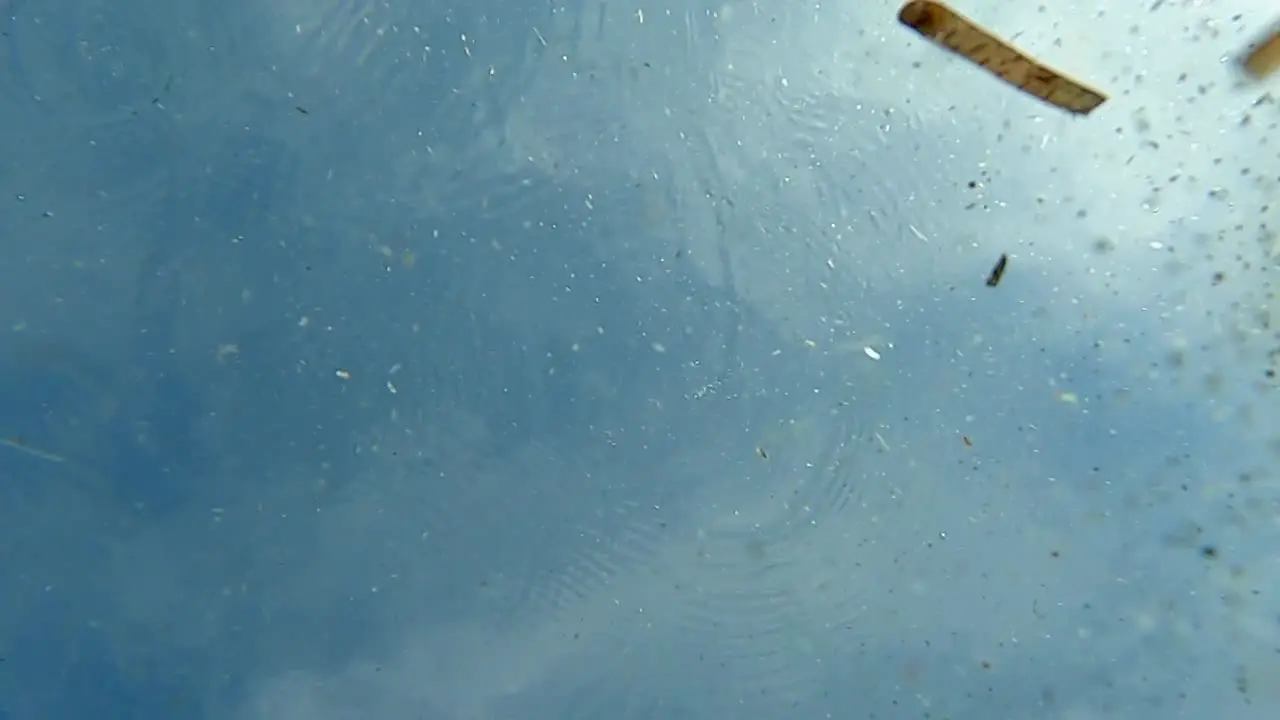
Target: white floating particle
x: 394, y: 369
x: 391, y: 387
x: 343, y: 374
x: 871, y: 353
x: 659, y: 347
x: 1156, y: 244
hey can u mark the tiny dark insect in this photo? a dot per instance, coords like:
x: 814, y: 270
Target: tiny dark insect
x: 997, y: 272
x: 301, y: 109
x: 763, y: 455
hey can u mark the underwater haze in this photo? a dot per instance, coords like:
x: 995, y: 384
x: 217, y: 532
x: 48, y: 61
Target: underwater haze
x: 414, y: 360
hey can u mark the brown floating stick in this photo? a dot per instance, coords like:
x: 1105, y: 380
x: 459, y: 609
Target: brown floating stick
x: 997, y: 272
x: 1265, y: 58
x: 959, y: 34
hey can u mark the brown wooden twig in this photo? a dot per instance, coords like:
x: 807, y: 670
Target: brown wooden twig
x: 953, y: 31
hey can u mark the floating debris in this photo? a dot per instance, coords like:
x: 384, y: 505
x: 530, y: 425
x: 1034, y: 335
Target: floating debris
x: 953, y: 31
x: 21, y: 445
x: 225, y: 352
x: 997, y: 272
x: 1265, y: 58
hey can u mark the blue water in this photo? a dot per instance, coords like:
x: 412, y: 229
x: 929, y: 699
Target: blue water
x: 401, y: 360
